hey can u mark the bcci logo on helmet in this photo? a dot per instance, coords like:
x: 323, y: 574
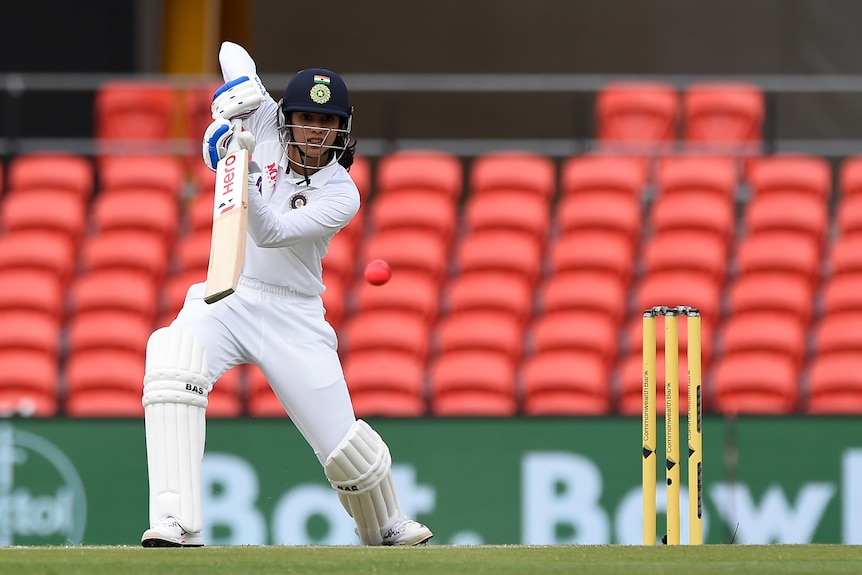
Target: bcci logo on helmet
x: 42, y: 498
x: 320, y: 92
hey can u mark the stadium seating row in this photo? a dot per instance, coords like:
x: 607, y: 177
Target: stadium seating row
x: 518, y: 282
x: 564, y: 283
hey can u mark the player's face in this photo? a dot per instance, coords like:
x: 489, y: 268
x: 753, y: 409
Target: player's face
x: 314, y: 132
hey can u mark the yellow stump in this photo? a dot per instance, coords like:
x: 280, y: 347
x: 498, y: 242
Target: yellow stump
x: 671, y: 359
x: 649, y: 429
x: 695, y: 431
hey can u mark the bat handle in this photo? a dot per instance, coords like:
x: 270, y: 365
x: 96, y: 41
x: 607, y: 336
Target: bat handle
x: 237, y: 128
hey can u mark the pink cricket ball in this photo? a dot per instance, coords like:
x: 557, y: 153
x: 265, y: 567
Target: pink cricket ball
x: 377, y: 272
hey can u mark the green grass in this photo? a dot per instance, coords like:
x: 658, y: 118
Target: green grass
x: 436, y: 560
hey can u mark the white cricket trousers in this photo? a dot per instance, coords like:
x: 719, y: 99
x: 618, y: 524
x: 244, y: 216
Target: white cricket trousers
x: 285, y: 334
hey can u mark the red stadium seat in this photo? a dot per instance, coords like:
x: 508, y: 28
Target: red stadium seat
x: 843, y: 293
x: 565, y: 383
x: 420, y: 170
x: 140, y: 209
x: 756, y: 383
x: 604, y: 175
x: 38, y: 250
x: 192, y: 251
x: 408, y: 293
x: 163, y: 174
x: 850, y: 177
x: 787, y: 253
x: 126, y: 250
x: 839, y: 333
x: 433, y: 212
x: 114, y: 290
x: 593, y: 251
x: 616, y: 214
x: 472, y: 383
x: 513, y: 171
x: 46, y: 210
x: 845, y: 256
x: 499, y: 251
x: 111, y: 329
x: 849, y: 215
x: 707, y: 213
x: 480, y: 331
x: 772, y: 292
x: 640, y: 114
x: 31, y: 290
x: 583, y: 332
x: 132, y: 110
x: 52, y: 171
x: 408, y: 251
x: 791, y: 175
x: 687, y: 251
x: 835, y: 384
x: 29, y: 330
x: 775, y: 333
x: 387, y: 384
x: 28, y: 383
x: 723, y: 113
x: 584, y: 292
x: 697, y: 175
x: 392, y: 330
x: 104, y: 383
x: 518, y: 212
x: 804, y: 215
x: 490, y: 291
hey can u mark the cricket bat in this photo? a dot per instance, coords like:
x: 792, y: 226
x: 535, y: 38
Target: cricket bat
x: 230, y: 222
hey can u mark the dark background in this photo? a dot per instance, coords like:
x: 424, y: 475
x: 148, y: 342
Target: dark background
x: 677, y: 40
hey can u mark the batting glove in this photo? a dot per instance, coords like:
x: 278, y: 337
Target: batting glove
x: 217, y: 138
x: 238, y: 98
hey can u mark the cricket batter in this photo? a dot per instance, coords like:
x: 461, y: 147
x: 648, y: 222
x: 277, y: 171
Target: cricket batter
x: 301, y: 197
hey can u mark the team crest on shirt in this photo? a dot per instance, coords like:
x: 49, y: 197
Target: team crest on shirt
x: 298, y: 200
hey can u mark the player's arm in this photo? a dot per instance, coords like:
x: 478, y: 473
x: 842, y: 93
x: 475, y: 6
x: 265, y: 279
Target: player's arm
x: 242, y: 97
x: 235, y: 61
x: 328, y: 214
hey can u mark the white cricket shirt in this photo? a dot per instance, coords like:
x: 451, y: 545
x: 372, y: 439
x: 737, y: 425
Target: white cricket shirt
x: 290, y: 221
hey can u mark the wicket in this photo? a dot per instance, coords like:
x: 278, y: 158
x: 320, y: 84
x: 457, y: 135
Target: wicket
x: 695, y: 416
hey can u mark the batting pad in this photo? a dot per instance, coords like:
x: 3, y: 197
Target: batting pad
x: 360, y: 470
x: 175, y: 402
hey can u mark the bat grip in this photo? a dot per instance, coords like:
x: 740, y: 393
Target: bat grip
x: 234, y: 141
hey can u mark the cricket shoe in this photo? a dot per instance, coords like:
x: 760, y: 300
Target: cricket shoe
x: 407, y: 532
x: 167, y: 532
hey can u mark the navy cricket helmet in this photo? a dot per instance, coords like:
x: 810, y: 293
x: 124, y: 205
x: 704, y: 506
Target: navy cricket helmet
x: 317, y: 90
x: 320, y: 91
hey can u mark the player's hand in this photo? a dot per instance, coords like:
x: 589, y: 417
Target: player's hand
x: 238, y: 98
x: 217, y: 138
